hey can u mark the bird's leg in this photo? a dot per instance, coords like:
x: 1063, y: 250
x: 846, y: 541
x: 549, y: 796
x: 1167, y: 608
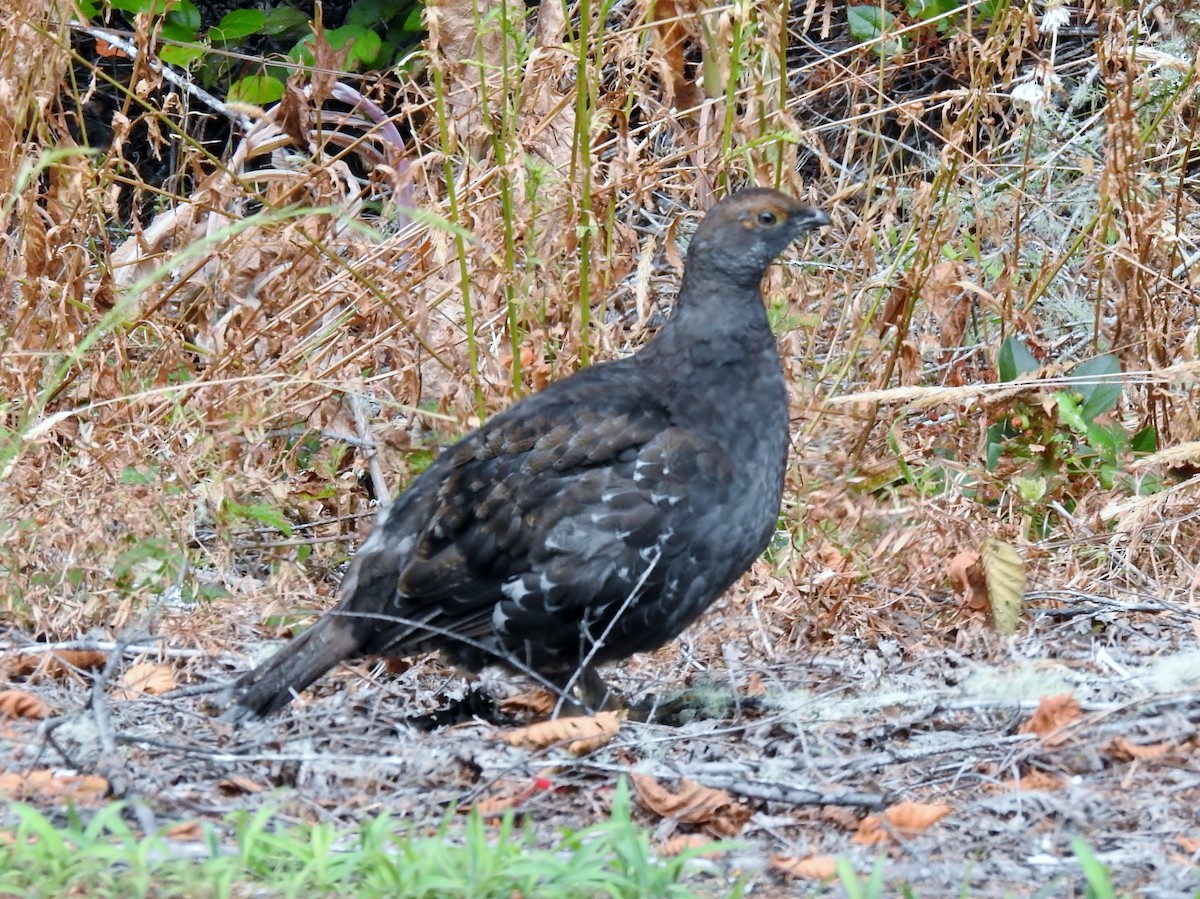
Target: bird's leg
x: 589, y: 696
x: 595, y: 693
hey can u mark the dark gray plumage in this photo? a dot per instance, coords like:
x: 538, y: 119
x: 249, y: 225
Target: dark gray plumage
x: 595, y: 519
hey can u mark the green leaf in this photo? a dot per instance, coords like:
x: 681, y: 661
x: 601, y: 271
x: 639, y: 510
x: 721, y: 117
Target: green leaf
x: 87, y: 9
x: 413, y: 23
x: 1068, y: 412
x: 153, y: 7
x: 370, y: 13
x: 1145, y: 440
x: 236, y: 25
x: 928, y: 9
x: 995, y: 445
x: 364, y: 44
x: 130, y: 475
x: 869, y: 24
x: 283, y: 18
x: 1107, y: 442
x: 1099, y: 396
x: 1015, y: 359
x: 181, y: 56
x: 266, y: 514
x: 257, y: 90
x: 172, y: 31
x: 301, y: 52
x: 1106, y: 474
x: 185, y: 15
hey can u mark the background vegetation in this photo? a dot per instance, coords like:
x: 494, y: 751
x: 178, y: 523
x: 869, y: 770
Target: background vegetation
x: 260, y: 264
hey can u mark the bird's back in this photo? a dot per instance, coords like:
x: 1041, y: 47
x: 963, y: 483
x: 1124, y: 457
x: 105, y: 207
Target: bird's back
x: 604, y: 497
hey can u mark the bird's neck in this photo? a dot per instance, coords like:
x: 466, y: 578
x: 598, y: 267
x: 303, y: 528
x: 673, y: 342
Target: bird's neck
x: 729, y: 325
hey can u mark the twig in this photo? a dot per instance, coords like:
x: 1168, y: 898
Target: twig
x: 129, y: 49
x: 117, y: 646
x: 118, y: 782
x: 735, y: 779
x: 370, y: 448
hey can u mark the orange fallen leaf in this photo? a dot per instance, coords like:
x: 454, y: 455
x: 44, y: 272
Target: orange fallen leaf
x: 238, y: 785
x: 185, y: 830
x: 966, y: 576
x: 104, y: 48
x: 581, y: 735
x: 506, y: 794
x: 905, y: 819
x: 57, y: 664
x: 693, y: 803
x: 755, y: 685
x: 19, y: 704
x: 1038, y: 781
x: 685, y: 842
x: 1122, y: 750
x: 146, y: 678
x: 1051, y: 716
x: 44, y: 783
x: 815, y: 867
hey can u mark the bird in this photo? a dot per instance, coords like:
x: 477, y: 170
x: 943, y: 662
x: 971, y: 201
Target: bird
x: 594, y: 519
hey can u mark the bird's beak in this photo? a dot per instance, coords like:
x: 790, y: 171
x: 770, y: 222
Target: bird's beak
x: 809, y: 219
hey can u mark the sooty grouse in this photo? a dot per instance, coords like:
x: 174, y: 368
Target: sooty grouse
x: 597, y: 518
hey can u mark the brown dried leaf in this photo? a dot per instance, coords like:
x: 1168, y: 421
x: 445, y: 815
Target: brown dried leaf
x: 942, y: 294
x: 45, y: 783
x: 504, y: 796
x: 694, y: 803
x: 185, y: 830
x: 146, y: 678
x: 19, y: 704
x: 904, y: 819
x: 815, y: 867
x: 675, y: 23
x: 1034, y: 781
x: 685, y: 842
x: 58, y: 664
x: 34, y: 253
x: 755, y: 685
x: 1124, y: 751
x: 582, y: 735
x: 294, y: 114
x: 1004, y: 573
x: 533, y: 703
x: 507, y: 794
x: 966, y: 577
x: 237, y: 786
x: 1051, y: 716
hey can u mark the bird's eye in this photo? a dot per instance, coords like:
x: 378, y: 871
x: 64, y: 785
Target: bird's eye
x: 767, y: 218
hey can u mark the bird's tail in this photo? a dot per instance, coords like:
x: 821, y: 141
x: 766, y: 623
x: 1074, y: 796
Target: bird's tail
x: 273, y: 684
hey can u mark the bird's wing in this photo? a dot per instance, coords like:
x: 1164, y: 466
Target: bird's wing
x: 564, y: 502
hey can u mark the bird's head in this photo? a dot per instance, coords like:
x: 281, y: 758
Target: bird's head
x: 745, y: 232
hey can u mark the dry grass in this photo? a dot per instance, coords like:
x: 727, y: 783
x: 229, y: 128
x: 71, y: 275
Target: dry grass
x: 225, y: 354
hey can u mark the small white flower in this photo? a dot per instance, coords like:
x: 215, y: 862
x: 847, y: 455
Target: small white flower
x: 1031, y: 95
x: 1054, y: 17
x: 1033, y: 90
